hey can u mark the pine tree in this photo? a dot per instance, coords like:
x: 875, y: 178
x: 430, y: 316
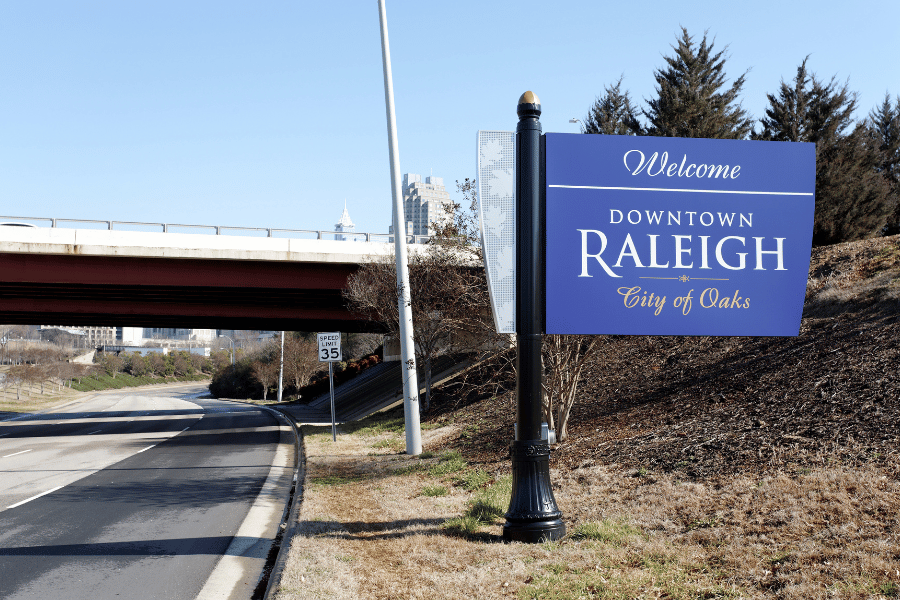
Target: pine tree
x: 613, y: 114
x: 786, y: 117
x: 692, y: 97
x: 852, y: 198
x: 810, y: 110
x: 884, y: 122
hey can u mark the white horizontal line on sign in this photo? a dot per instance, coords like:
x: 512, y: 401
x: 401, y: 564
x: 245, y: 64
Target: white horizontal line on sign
x: 595, y: 187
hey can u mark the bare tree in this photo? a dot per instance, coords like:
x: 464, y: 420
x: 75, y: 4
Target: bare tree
x: 66, y: 372
x: 448, y: 288
x: 16, y: 377
x: 265, y: 373
x: 450, y: 303
x: 38, y: 374
x: 564, y: 358
x: 81, y: 371
x: 301, y: 359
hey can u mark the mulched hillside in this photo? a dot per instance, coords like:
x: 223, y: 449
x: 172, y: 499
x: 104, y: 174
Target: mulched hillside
x: 704, y: 406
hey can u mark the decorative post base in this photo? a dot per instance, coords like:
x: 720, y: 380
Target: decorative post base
x: 533, y: 516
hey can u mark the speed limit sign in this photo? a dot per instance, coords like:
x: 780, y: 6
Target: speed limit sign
x: 329, y: 347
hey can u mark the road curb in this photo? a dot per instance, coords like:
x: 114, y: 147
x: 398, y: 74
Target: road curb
x: 289, y: 522
x: 220, y: 583
x: 275, y: 563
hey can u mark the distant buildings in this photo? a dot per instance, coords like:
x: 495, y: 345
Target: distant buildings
x: 171, y: 333
x: 94, y: 337
x: 345, y: 225
x: 424, y: 204
x: 86, y: 337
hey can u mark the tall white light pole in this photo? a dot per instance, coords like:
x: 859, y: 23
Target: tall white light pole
x: 281, y: 369
x: 232, y: 347
x: 407, y: 347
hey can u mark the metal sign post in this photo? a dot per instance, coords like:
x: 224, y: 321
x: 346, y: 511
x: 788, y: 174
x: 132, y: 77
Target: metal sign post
x: 331, y: 391
x: 330, y: 352
x: 533, y: 515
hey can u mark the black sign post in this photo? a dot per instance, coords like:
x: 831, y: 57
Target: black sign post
x: 533, y: 515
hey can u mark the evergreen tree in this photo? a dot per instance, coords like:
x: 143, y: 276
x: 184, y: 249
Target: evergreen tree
x: 830, y: 111
x: 786, y: 117
x: 692, y: 98
x: 613, y: 114
x: 852, y: 198
x: 884, y: 122
x: 810, y: 110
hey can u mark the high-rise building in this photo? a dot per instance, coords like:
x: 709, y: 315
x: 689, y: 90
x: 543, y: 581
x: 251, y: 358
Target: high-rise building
x: 345, y: 225
x: 424, y: 204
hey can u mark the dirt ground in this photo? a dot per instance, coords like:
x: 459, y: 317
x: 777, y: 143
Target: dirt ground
x: 696, y: 468
x: 707, y: 406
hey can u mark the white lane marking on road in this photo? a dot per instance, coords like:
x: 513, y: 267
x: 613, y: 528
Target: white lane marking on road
x: 15, y: 453
x: 145, y: 449
x: 93, y: 432
x: 35, y: 497
x: 250, y: 545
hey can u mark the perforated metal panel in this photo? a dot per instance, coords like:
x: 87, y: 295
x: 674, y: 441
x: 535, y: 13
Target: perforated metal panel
x: 497, y: 212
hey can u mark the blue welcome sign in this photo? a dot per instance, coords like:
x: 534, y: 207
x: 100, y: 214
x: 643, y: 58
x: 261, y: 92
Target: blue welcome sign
x: 672, y: 236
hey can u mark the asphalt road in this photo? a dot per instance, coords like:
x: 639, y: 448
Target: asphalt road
x: 140, y: 495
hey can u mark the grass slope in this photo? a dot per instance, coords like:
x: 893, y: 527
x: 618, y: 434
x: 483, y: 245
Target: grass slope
x: 696, y: 468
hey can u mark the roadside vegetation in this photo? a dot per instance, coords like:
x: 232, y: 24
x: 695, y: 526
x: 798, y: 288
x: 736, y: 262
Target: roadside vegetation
x: 375, y: 523
x: 102, y: 381
x: 254, y: 374
x: 758, y: 468
x: 111, y: 371
x: 857, y: 159
x: 40, y: 374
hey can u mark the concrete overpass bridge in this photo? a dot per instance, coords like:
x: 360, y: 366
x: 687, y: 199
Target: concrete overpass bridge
x: 50, y: 275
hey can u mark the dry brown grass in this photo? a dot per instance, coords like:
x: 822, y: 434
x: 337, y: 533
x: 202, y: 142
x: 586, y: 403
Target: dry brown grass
x: 854, y: 272
x: 697, y: 468
x: 30, y: 398
x: 367, y: 531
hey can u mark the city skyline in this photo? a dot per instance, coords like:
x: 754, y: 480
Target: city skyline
x: 224, y: 114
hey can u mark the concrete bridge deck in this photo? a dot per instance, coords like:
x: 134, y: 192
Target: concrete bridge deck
x: 127, y: 278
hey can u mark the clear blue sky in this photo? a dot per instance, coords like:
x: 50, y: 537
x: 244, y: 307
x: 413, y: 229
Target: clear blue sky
x: 272, y: 113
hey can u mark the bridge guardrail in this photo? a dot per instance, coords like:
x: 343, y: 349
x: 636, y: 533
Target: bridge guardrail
x: 272, y: 232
